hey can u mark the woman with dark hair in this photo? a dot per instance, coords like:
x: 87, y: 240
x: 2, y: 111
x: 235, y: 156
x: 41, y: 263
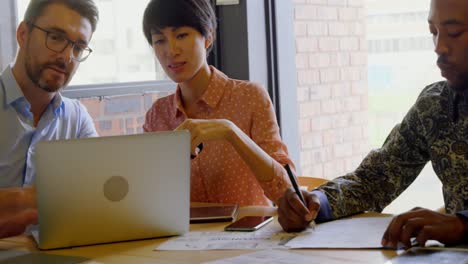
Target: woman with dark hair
x: 243, y: 155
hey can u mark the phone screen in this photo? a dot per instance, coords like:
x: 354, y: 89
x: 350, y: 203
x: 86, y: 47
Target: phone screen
x: 249, y: 223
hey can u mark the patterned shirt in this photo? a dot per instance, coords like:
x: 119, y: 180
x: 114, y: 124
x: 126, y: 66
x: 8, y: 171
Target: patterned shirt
x: 435, y: 129
x: 218, y: 173
x: 63, y: 119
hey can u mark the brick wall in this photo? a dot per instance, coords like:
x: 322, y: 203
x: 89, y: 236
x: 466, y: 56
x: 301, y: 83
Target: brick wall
x: 331, y: 63
x: 120, y: 115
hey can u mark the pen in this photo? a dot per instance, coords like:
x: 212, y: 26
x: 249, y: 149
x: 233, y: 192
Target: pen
x: 293, y: 181
x: 292, y: 178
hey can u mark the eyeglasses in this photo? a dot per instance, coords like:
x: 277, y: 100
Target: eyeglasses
x: 58, y: 42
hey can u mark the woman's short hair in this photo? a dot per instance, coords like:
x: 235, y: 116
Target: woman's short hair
x: 86, y: 8
x: 198, y: 14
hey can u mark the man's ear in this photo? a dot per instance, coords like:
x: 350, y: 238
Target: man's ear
x: 209, y: 40
x: 22, y: 34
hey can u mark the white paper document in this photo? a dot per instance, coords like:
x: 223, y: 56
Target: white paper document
x: 269, y: 237
x: 268, y: 257
x: 362, y: 232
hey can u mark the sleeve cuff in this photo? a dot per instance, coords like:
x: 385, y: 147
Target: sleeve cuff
x: 325, y: 213
x: 463, y: 214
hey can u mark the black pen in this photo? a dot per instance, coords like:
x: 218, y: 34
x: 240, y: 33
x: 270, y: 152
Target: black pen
x: 292, y: 178
x: 293, y: 181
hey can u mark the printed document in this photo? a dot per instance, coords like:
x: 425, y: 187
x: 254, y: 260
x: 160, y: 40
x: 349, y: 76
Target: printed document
x: 360, y: 232
x: 268, y: 237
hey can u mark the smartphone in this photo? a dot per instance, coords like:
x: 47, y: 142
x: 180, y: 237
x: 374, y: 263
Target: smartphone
x: 249, y: 223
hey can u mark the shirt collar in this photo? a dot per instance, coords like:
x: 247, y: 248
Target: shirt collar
x: 57, y: 104
x: 215, y: 90
x: 12, y: 90
x: 212, y: 96
x: 14, y: 95
x: 458, y: 102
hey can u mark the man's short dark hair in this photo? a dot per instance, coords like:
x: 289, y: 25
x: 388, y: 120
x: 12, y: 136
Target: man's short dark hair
x: 86, y: 8
x: 198, y: 14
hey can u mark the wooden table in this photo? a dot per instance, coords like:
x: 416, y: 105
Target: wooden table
x: 142, y: 251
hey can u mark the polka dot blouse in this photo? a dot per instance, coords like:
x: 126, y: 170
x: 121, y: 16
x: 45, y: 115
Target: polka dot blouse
x: 219, y: 175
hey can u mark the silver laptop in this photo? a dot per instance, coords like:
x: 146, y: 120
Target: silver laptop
x: 110, y: 189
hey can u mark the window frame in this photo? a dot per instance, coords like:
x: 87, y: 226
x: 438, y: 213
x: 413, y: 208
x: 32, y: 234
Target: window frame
x: 257, y: 43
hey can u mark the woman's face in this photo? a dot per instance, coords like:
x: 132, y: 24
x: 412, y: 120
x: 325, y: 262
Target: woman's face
x: 181, y: 51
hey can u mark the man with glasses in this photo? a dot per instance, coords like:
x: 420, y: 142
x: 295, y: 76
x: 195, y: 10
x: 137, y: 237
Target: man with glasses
x: 53, y: 40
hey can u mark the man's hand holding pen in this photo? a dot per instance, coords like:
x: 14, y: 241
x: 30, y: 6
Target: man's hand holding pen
x: 293, y: 215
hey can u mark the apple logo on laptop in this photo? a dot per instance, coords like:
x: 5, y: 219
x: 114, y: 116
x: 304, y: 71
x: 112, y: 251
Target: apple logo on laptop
x: 116, y: 188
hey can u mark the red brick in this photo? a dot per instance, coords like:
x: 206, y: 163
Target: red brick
x: 93, y: 105
x: 115, y: 127
x: 120, y: 105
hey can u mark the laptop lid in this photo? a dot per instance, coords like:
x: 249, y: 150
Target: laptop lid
x: 109, y: 189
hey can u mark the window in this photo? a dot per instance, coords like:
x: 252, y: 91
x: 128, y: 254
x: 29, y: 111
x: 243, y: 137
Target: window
x: 401, y: 62
x: 120, y: 50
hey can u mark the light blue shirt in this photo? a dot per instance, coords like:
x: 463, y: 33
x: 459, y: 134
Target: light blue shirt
x: 63, y: 119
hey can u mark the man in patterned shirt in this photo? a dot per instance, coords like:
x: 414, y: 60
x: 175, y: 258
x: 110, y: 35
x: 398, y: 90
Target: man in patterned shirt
x: 435, y: 129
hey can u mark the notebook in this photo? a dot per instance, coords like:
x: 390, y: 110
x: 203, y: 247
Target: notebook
x: 110, y: 189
